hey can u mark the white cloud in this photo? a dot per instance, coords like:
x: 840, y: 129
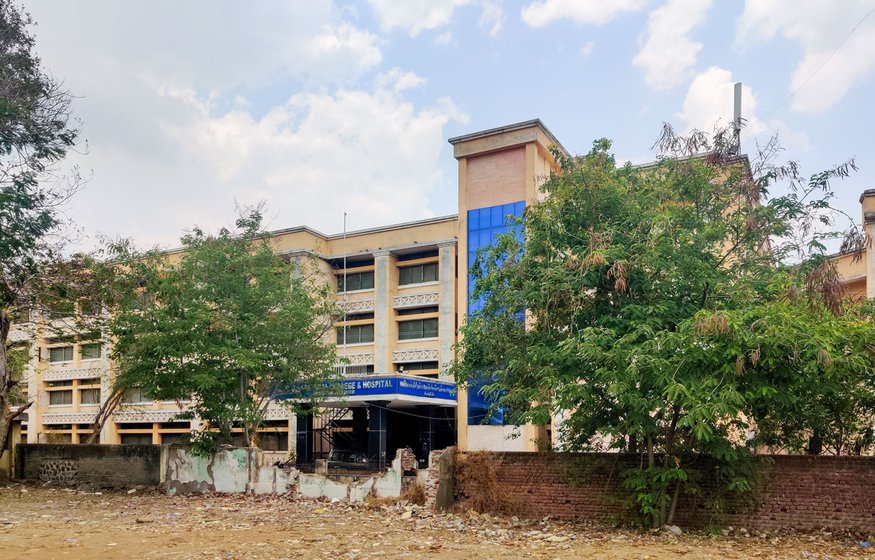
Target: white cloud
x: 544, y: 12
x: 710, y: 99
x: 370, y: 152
x: 399, y: 80
x: 818, y: 26
x: 445, y: 38
x: 668, y: 53
x: 337, y: 44
x: 587, y: 49
x: 221, y: 102
x: 416, y: 16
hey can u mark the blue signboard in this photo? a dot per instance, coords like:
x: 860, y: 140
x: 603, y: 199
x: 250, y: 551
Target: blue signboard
x: 426, y: 388
x: 391, y: 386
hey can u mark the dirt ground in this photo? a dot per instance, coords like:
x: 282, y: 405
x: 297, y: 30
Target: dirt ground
x: 49, y: 523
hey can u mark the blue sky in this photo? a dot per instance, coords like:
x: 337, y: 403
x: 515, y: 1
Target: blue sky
x: 323, y: 107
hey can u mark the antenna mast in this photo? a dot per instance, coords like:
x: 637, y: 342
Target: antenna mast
x: 736, y: 118
x: 345, y: 296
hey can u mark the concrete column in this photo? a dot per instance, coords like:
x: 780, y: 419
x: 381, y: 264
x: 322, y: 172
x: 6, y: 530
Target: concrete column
x: 426, y: 434
x: 36, y: 392
x: 382, y: 311
x: 446, y: 305
x: 292, y: 434
x: 304, y: 438
x: 870, y: 259
x: 867, y: 203
x: 377, y: 417
x: 360, y: 428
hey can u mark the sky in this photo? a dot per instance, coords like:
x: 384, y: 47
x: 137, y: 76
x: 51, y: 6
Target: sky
x: 191, y: 109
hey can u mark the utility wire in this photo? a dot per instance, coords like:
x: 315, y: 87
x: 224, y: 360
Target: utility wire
x: 821, y: 64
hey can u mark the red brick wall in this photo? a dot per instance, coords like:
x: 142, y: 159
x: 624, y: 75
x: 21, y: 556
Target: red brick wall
x: 800, y: 492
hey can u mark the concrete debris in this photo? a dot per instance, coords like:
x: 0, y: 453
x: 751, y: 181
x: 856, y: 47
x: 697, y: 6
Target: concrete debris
x: 673, y: 529
x: 148, y: 524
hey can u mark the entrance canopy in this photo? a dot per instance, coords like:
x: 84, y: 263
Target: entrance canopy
x: 395, y: 389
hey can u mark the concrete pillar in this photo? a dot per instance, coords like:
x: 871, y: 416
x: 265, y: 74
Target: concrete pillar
x: 426, y: 434
x: 360, y: 428
x: 867, y: 203
x: 382, y: 311
x: 377, y: 417
x: 304, y: 438
x: 446, y: 307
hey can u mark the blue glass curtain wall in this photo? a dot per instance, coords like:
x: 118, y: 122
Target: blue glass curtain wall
x: 484, y: 224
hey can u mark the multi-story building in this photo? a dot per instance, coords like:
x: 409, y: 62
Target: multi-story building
x: 404, y: 288
x: 858, y: 271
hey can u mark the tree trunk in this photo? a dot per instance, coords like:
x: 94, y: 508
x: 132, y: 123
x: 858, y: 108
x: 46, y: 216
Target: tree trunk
x: 674, y: 502
x: 6, y: 383
x: 651, y: 463
x: 106, y: 410
x: 669, y: 452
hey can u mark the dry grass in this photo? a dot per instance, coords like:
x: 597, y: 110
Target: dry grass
x: 477, y: 482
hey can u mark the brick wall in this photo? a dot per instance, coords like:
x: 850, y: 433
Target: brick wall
x: 799, y: 492
x: 102, y: 466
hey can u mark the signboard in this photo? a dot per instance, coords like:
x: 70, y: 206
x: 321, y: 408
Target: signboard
x: 389, y: 387
x: 409, y: 386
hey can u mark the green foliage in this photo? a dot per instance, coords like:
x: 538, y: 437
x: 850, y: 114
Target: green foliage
x: 675, y: 310
x: 35, y: 135
x: 226, y: 323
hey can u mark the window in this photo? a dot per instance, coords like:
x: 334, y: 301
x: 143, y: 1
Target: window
x: 67, y: 383
x: 136, y: 439
x: 61, y: 354
x: 354, y: 370
x: 418, y: 273
x: 418, y: 310
x: 356, y: 281
x: 90, y: 381
x: 356, y: 334
x: 416, y: 366
x: 135, y: 395
x: 61, y: 397
x: 274, y: 441
x: 419, y: 328
x: 61, y: 309
x: 181, y: 439
x: 91, y: 351
x: 89, y: 396
x: 358, y: 317
x: 91, y: 308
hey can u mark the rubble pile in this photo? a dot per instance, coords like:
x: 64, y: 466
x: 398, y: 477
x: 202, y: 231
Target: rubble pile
x: 49, y: 523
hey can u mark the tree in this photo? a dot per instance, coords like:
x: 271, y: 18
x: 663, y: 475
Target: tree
x: 35, y: 135
x: 675, y: 310
x: 226, y: 324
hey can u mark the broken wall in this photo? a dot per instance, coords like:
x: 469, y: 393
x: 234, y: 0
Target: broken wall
x: 102, y: 466
x: 793, y: 492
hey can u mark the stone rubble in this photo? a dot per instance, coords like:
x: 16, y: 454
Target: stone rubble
x: 114, y: 525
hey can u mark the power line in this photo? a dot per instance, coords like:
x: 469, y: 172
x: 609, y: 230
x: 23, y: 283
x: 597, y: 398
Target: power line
x: 821, y: 64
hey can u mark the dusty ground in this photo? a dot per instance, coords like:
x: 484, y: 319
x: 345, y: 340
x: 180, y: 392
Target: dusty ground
x: 55, y: 523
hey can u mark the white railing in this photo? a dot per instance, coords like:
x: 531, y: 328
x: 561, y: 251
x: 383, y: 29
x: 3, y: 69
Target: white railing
x: 68, y: 417
x: 416, y: 300
x: 415, y: 355
x: 356, y: 305
x: 67, y: 373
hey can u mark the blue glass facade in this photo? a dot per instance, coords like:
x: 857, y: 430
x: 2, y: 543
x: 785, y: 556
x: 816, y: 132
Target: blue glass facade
x: 484, y: 224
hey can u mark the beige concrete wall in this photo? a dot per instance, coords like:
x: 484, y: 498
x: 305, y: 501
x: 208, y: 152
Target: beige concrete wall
x: 496, y: 178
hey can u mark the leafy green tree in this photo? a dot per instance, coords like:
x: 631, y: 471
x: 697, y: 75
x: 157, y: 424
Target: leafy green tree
x: 35, y: 135
x: 226, y: 323
x: 675, y: 310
